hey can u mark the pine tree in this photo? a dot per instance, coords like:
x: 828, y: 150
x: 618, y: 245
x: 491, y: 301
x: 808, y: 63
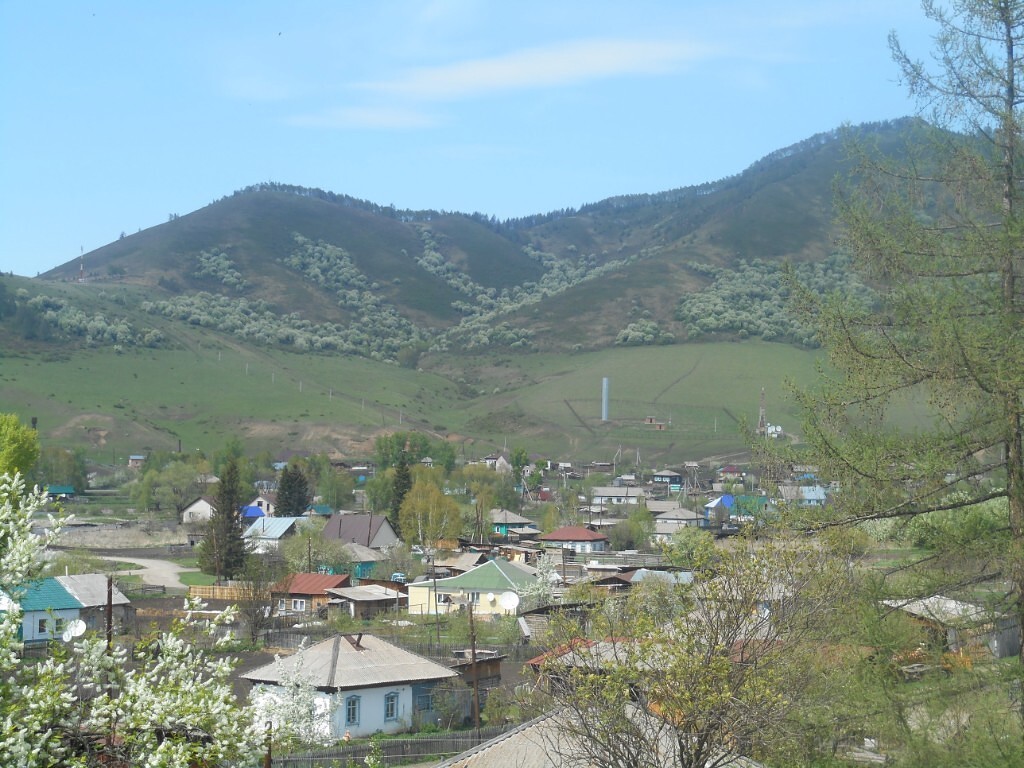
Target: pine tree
x: 401, y: 486
x: 941, y: 233
x: 222, y: 551
x: 292, y: 492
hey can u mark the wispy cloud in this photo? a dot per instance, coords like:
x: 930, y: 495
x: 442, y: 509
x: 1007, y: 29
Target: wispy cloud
x: 549, y: 66
x: 365, y: 117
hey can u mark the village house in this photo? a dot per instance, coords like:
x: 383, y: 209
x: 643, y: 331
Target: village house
x: 667, y: 525
x: 266, y: 534
x: 718, y: 511
x: 365, y: 601
x: 373, y: 531
x: 303, y: 595
x: 266, y: 502
x: 50, y: 605
x: 485, y: 587
x: 363, y: 685
x: 454, y: 564
x: 960, y: 627
x: 199, y: 510
x: 362, y: 560
x: 498, y: 463
x: 603, y: 496
x: 803, y: 495
x: 576, y: 538
x: 508, y: 525
x: 672, y: 478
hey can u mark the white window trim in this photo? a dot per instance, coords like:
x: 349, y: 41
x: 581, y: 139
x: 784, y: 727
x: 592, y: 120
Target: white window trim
x: 389, y: 699
x: 354, y: 702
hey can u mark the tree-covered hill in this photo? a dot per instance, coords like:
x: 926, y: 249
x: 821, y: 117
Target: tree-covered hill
x: 311, y: 270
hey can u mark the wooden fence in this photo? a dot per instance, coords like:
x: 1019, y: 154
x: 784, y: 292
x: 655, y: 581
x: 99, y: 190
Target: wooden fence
x: 215, y: 592
x: 432, y: 748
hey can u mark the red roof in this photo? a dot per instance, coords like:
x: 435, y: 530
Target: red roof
x: 573, y: 533
x: 311, y: 583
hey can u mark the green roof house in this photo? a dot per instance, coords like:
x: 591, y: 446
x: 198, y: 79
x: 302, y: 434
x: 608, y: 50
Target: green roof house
x: 493, y: 589
x: 47, y: 607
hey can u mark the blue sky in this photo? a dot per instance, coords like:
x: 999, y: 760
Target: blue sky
x: 116, y: 114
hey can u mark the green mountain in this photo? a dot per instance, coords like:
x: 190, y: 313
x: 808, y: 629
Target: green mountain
x: 475, y: 326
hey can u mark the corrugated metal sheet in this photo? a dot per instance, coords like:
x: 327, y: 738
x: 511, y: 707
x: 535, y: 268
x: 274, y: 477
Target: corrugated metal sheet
x: 492, y: 576
x: 371, y: 663
x: 48, y: 594
x: 272, y: 527
x: 90, y: 589
x: 311, y: 583
x: 370, y: 592
x: 545, y: 743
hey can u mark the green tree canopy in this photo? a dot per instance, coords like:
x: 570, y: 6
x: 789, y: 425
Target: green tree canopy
x: 941, y: 235
x: 19, y: 446
x: 292, y: 492
x: 428, y: 516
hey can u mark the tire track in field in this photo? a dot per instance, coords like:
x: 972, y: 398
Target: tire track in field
x: 693, y: 368
x: 578, y: 417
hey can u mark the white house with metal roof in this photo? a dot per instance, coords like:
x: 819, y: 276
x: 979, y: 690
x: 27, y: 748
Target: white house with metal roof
x: 266, y: 533
x: 363, y: 685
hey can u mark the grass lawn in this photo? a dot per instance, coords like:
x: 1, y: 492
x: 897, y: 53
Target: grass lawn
x: 196, y: 579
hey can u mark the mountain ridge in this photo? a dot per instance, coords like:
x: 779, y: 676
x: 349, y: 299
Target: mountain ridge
x: 434, y: 278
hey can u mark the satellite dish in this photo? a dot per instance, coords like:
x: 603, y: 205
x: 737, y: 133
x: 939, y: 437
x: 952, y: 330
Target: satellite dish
x: 490, y: 597
x: 509, y: 601
x: 74, y: 629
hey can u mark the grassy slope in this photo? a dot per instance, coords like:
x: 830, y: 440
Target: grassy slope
x: 114, y: 404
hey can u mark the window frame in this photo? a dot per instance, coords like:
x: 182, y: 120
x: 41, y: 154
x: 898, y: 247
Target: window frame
x: 391, y: 700
x: 352, y: 707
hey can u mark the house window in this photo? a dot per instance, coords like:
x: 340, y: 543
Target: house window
x: 58, y: 626
x: 298, y: 605
x: 425, y: 702
x: 391, y: 706
x: 352, y: 710
x: 475, y: 597
x: 281, y: 604
x: 41, y: 627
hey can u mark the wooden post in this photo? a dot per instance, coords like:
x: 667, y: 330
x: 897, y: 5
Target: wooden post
x: 476, y: 677
x: 110, y: 612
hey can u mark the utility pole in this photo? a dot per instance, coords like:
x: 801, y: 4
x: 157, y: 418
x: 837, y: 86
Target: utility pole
x: 476, y: 677
x: 437, y: 605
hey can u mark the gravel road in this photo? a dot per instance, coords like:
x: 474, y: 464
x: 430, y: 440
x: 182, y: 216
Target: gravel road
x: 162, y: 573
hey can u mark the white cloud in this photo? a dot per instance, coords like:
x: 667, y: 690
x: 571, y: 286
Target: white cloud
x: 365, y: 117
x: 556, y: 65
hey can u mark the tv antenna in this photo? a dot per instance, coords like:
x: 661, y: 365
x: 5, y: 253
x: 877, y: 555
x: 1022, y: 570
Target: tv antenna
x: 74, y: 629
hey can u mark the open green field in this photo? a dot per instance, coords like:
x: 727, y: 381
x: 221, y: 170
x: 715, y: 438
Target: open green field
x: 115, y: 404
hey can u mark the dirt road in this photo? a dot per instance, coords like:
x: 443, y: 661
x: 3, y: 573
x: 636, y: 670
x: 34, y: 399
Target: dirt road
x: 161, y: 573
